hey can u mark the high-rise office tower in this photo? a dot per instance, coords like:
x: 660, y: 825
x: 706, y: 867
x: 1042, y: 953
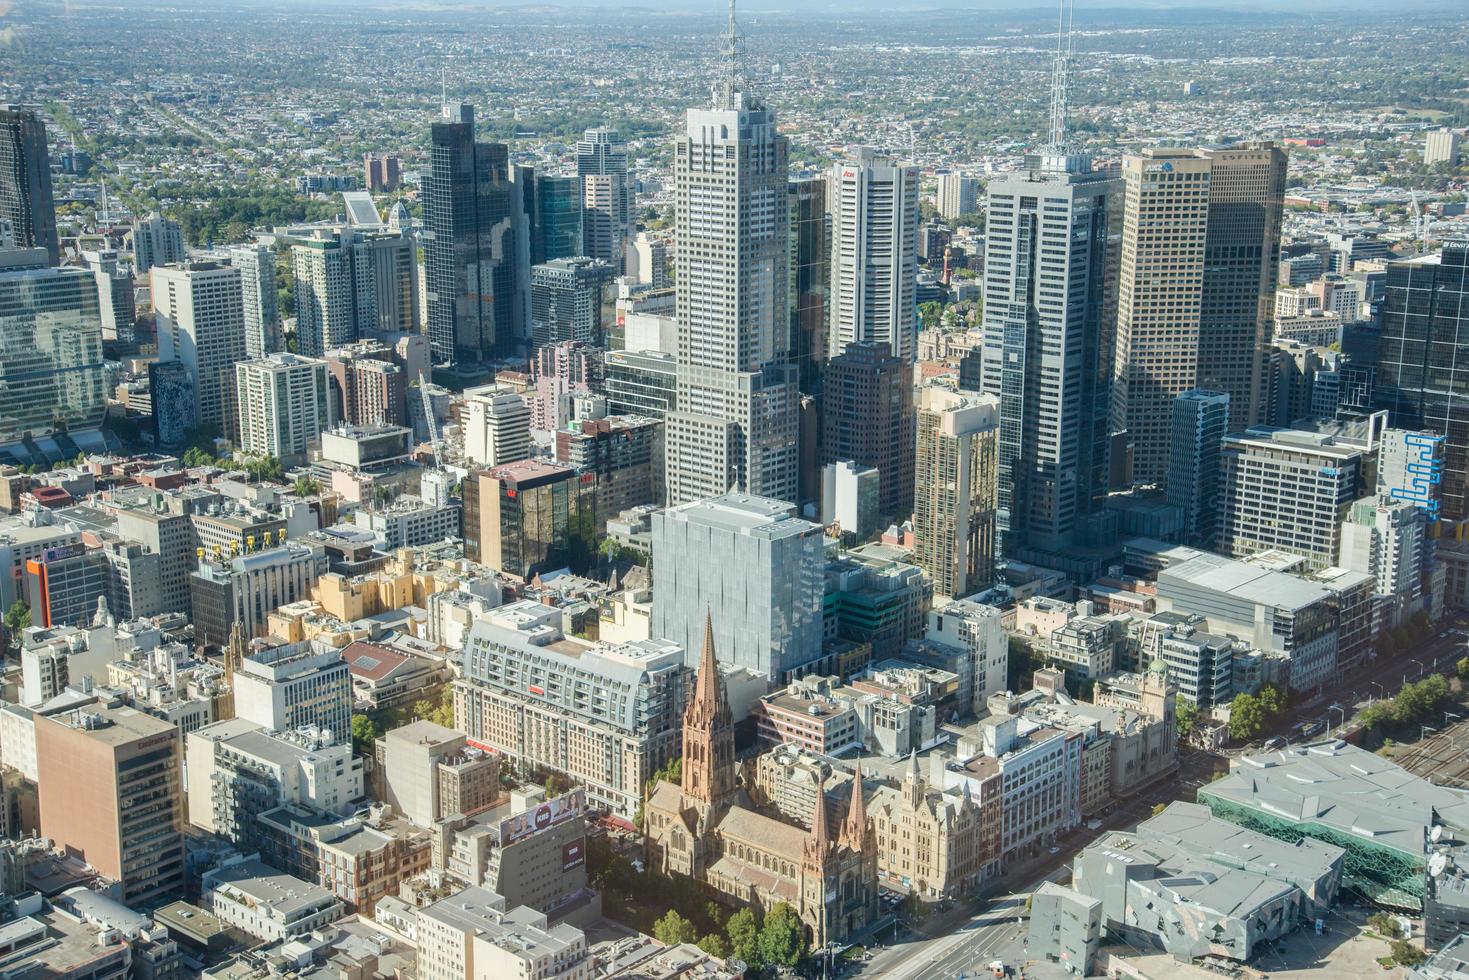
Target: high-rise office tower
x: 116, y: 302
x: 809, y: 280
x: 469, y: 242
x: 1200, y: 423
x: 324, y: 293
x: 736, y: 422
x: 112, y: 793
x: 156, y: 241
x: 867, y: 417
x: 283, y: 405
x: 874, y: 253
x: 957, y: 195
x: 1423, y: 360
x: 566, y: 300
x: 52, y: 369
x: 26, y: 205
x: 1201, y: 239
x: 556, y: 232
x: 1049, y: 295
x: 607, y: 195
x: 257, y: 295
x: 385, y: 279
x: 201, y: 322
x: 496, y: 426
x: 955, y: 489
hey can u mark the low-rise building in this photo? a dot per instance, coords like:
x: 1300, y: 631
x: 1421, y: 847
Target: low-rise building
x: 473, y: 935
x: 263, y: 902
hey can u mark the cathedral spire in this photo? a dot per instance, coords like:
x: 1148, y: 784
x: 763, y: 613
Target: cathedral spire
x: 819, y: 843
x: 854, y: 830
x: 708, y: 732
x: 707, y: 699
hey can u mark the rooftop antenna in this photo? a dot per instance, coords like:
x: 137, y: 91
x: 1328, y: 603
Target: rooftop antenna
x: 1064, y: 18
x: 732, y: 59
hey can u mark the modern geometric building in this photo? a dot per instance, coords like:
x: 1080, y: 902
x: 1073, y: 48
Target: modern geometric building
x: 469, y: 239
x: 606, y: 715
x: 1195, y: 303
x: 201, y: 322
x: 283, y: 405
x: 52, y: 370
x: 1423, y: 360
x: 1050, y: 292
x: 519, y: 516
x: 26, y: 205
x: 874, y: 253
x: 956, y: 489
x: 607, y: 196
x: 1200, y: 423
x: 754, y: 565
x: 624, y: 452
x: 736, y: 422
x: 867, y: 417
x: 1336, y: 793
x: 640, y: 383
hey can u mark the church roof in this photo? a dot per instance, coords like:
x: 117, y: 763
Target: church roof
x: 764, y: 833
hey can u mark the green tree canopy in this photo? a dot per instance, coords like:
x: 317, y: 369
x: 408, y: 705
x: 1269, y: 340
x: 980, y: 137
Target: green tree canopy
x: 715, y: 945
x: 743, y: 930
x: 673, y: 929
x: 780, y: 937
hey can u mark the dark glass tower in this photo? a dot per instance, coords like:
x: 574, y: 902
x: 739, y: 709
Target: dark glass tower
x: 470, y: 253
x: 868, y: 417
x: 25, y: 182
x: 1423, y: 360
x: 556, y: 233
x: 808, y: 282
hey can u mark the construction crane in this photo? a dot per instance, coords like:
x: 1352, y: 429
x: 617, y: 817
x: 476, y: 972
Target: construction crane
x: 428, y: 418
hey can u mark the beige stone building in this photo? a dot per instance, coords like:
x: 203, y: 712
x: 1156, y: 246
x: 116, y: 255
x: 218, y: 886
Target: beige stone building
x: 936, y: 844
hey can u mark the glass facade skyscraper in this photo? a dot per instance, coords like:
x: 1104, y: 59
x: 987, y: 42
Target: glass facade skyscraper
x: 1423, y: 360
x: 25, y: 182
x: 557, y: 232
x: 51, y: 367
x: 470, y: 253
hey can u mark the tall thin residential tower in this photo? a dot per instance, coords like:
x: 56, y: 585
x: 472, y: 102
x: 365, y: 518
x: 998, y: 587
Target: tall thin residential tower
x: 1049, y: 293
x: 736, y: 423
x: 25, y: 182
x: 607, y: 195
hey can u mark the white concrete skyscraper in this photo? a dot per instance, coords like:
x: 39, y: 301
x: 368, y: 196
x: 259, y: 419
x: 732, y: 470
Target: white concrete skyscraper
x: 874, y: 253
x: 736, y: 423
x: 1049, y: 292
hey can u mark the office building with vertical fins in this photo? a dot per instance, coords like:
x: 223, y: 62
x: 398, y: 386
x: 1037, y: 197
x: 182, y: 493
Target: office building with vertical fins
x: 1201, y: 237
x: 26, y: 204
x: 874, y: 253
x: 736, y: 422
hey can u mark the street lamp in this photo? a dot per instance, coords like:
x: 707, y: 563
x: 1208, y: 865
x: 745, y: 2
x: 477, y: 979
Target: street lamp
x: 1449, y: 714
x: 1341, y: 724
x: 1381, y: 691
x: 1426, y: 730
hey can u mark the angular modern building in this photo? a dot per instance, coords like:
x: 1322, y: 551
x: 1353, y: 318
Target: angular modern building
x: 1200, y: 250
x: 1423, y: 360
x: 756, y: 567
x: 735, y: 427
x: 26, y: 204
x: 874, y: 254
x: 1050, y: 290
x: 469, y: 243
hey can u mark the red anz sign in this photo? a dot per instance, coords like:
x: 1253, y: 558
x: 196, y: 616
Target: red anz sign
x: 541, y: 691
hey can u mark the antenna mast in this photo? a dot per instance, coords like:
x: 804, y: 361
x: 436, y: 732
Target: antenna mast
x: 1064, y: 18
x: 732, y: 59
